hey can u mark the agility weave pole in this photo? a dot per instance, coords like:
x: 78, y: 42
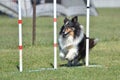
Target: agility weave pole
x: 55, y: 40
x: 20, y: 36
x: 87, y: 32
x: 87, y: 35
x: 55, y: 34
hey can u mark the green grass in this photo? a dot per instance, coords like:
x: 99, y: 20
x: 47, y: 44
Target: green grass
x: 106, y: 27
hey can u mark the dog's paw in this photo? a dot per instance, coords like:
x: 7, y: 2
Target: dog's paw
x: 62, y: 56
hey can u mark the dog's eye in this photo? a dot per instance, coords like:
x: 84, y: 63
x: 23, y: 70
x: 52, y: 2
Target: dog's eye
x: 67, y: 28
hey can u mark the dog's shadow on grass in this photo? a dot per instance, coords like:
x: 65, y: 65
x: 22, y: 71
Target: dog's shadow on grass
x: 17, y: 66
x: 66, y: 65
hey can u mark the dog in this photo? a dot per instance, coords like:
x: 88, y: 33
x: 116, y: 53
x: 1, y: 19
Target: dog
x: 72, y: 42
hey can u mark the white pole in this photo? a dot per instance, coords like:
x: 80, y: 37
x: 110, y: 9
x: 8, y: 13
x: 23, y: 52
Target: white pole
x: 20, y: 36
x: 55, y: 35
x: 87, y: 32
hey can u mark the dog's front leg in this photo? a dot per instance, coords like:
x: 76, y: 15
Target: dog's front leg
x: 72, y: 53
x: 62, y: 55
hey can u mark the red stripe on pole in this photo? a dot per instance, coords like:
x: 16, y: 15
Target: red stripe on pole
x: 20, y: 47
x: 19, y: 21
x: 55, y: 44
x: 55, y: 19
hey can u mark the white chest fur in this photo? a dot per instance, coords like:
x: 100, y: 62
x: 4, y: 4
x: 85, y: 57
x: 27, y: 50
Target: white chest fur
x: 64, y: 42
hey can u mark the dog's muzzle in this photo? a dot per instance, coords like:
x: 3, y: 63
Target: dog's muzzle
x: 66, y: 34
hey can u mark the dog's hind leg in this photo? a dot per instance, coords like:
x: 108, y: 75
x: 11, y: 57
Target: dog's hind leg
x: 75, y: 62
x: 83, y: 61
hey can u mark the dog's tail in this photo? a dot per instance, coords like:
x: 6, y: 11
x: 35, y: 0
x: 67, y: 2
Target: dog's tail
x: 93, y: 42
x: 96, y: 40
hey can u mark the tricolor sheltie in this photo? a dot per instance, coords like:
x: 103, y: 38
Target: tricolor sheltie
x: 72, y: 42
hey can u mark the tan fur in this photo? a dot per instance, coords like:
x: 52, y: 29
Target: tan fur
x: 70, y: 30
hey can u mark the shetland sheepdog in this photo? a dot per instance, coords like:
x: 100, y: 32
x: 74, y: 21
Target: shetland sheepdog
x: 72, y: 42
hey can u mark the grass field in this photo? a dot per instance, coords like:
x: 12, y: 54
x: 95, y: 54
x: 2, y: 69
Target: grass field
x: 106, y: 27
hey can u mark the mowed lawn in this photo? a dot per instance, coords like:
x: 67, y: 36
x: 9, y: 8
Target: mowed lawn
x: 105, y: 27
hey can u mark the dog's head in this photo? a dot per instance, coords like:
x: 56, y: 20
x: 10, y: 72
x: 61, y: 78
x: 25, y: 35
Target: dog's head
x: 70, y: 27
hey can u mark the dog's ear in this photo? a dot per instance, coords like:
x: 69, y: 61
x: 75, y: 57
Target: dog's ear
x: 65, y: 20
x: 75, y: 19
